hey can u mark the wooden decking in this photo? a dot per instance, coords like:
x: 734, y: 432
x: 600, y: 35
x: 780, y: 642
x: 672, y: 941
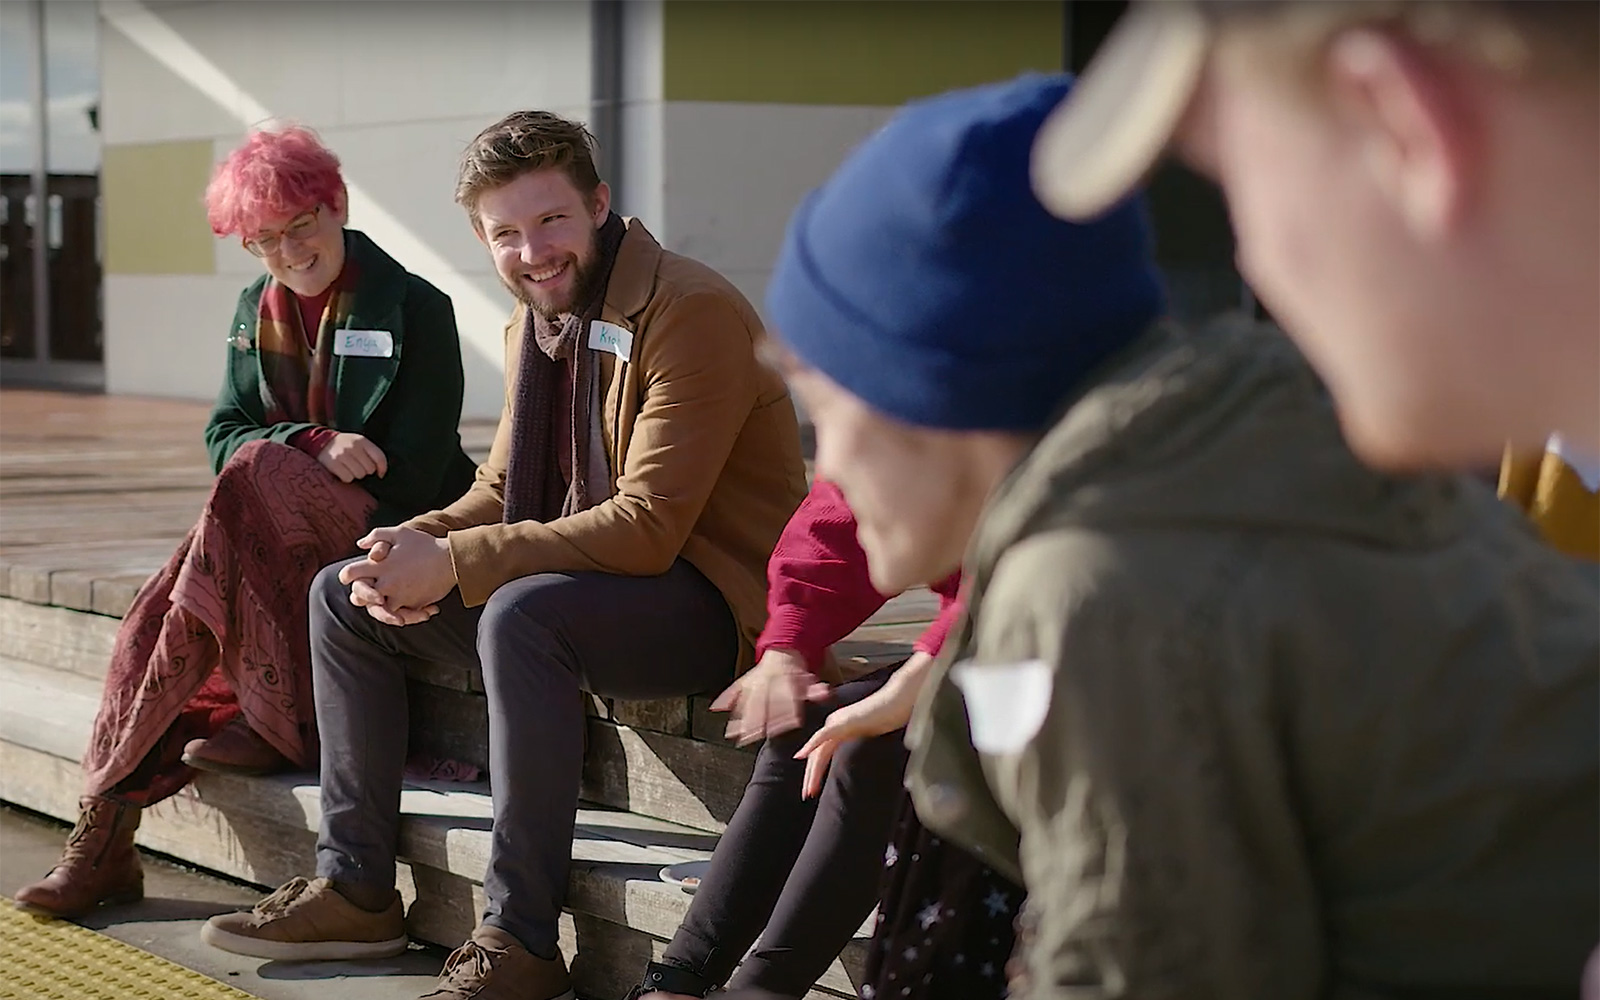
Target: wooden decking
x: 96, y: 492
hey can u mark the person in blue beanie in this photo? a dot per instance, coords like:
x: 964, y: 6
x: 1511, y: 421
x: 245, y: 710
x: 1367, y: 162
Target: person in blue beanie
x: 1246, y: 718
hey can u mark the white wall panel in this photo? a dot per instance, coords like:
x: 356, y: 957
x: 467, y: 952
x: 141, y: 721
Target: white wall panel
x: 734, y: 172
x: 641, y: 181
x: 167, y: 335
x: 144, y: 101
x: 413, y: 61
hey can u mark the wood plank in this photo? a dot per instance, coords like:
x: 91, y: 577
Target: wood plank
x: 56, y: 637
x: 919, y: 604
x: 449, y: 724
x: 215, y: 831
x: 261, y: 830
x: 662, y: 715
x: 687, y: 781
x: 83, y: 475
x: 32, y: 570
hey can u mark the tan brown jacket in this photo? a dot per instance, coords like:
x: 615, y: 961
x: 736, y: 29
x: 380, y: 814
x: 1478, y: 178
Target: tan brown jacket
x: 701, y: 438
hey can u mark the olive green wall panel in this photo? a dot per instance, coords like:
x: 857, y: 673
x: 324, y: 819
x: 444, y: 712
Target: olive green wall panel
x: 861, y: 52
x: 155, y: 221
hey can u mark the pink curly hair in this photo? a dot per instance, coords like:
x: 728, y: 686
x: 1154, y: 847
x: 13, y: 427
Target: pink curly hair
x: 277, y: 171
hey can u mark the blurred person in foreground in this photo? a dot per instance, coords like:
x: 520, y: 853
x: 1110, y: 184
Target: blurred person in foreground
x: 615, y: 541
x: 799, y: 866
x: 1245, y: 717
x: 1415, y: 192
x: 1414, y: 187
x: 338, y: 412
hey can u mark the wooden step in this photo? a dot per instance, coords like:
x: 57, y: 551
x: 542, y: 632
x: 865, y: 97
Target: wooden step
x: 665, y: 758
x: 97, y: 492
x: 262, y: 830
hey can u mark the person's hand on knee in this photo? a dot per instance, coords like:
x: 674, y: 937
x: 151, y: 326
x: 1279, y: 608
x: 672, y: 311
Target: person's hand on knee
x: 883, y: 711
x: 353, y: 456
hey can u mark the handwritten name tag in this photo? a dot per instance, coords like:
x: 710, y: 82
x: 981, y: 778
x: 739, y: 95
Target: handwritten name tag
x: 364, y: 343
x: 611, y: 338
x: 1006, y: 702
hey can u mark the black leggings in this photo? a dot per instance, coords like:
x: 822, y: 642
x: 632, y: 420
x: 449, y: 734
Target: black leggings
x: 805, y: 870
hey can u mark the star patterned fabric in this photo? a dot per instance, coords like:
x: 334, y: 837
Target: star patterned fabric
x: 945, y: 927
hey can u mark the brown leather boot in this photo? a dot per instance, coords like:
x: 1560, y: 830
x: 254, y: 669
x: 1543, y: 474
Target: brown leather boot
x: 100, y: 865
x: 236, y: 749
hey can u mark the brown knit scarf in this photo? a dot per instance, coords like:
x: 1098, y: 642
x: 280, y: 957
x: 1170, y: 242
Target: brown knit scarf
x: 534, y: 488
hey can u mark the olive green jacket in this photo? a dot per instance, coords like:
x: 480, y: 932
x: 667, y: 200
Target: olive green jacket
x: 1262, y: 724
x: 408, y: 404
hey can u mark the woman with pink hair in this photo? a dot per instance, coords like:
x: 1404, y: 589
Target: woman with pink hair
x: 338, y: 412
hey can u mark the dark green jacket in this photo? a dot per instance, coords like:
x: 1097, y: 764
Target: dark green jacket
x: 409, y: 404
x: 1259, y: 723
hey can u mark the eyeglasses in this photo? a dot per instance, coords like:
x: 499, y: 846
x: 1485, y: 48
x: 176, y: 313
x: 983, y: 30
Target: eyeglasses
x: 301, y: 227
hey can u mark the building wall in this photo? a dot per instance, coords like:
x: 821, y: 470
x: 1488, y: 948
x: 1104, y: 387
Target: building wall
x: 761, y: 100
x: 730, y: 111
x: 396, y: 89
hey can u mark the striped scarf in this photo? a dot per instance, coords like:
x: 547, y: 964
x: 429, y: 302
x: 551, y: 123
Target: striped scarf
x: 295, y: 383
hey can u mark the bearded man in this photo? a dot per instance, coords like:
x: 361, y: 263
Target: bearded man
x: 615, y: 541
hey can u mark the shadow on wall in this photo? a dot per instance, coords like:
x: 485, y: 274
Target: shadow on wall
x: 208, y: 71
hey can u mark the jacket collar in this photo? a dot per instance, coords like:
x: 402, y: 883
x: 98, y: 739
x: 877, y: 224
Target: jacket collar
x: 380, y: 281
x: 379, y: 305
x: 633, y: 276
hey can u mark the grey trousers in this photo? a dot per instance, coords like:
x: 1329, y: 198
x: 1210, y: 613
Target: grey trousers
x: 539, y: 639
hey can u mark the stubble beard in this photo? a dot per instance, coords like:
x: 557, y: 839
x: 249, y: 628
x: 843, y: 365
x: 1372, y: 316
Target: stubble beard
x: 586, y: 279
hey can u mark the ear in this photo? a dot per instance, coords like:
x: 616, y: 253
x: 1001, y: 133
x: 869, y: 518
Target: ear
x: 600, y: 204
x: 1409, y: 112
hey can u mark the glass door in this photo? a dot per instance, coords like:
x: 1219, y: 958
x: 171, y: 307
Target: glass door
x: 51, y: 327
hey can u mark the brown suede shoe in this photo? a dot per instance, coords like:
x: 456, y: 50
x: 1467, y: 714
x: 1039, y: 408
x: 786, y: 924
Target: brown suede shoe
x: 237, y: 749
x: 99, y: 867
x: 308, y: 921
x: 495, y: 966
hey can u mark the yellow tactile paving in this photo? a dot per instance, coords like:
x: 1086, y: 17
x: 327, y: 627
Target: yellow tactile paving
x: 53, y: 960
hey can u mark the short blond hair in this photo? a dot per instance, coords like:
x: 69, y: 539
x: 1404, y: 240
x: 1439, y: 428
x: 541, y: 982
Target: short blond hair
x: 1525, y: 37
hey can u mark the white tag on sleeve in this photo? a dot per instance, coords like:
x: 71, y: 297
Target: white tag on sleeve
x: 611, y: 338
x: 1006, y: 702
x: 1586, y: 466
x: 364, y: 343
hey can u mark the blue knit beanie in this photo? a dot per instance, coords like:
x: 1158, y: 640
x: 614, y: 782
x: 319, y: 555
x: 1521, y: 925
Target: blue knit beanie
x: 926, y: 279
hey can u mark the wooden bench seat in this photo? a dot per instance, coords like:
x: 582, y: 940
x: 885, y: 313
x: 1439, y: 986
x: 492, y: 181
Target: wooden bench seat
x: 96, y: 492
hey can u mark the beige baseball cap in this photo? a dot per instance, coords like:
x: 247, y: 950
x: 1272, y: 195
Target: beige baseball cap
x: 1121, y: 114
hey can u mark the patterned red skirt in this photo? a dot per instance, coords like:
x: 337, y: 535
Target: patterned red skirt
x: 222, y: 629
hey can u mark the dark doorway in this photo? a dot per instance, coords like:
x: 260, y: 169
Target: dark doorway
x: 16, y: 267
x: 51, y: 312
